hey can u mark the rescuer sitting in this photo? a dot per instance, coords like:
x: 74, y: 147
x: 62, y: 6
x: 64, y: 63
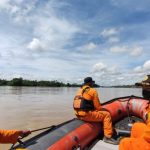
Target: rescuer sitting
x: 11, y: 136
x: 88, y: 108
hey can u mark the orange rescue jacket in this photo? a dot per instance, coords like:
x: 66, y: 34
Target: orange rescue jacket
x: 88, y: 94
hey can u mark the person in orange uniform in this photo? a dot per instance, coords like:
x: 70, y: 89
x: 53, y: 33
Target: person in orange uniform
x: 140, y: 132
x: 88, y: 108
x: 139, y: 139
x: 11, y: 136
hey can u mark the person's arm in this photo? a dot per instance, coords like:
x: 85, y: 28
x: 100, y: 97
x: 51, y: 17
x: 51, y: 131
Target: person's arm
x: 11, y: 136
x: 96, y: 100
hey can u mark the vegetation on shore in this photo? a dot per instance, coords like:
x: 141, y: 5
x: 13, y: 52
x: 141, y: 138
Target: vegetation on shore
x: 122, y: 86
x: 54, y: 83
x: 24, y: 82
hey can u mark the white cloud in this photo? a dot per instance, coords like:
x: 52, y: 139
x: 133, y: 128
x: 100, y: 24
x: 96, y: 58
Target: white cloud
x: 47, y: 30
x: 118, y: 49
x: 99, y: 67
x: 102, y: 69
x: 120, y: 78
x: 89, y: 47
x: 106, y: 74
x: 136, y: 51
x: 54, y: 32
x: 44, y: 32
x: 133, y: 51
x: 138, y: 69
x: 146, y: 65
x: 4, y: 4
x: 113, y: 39
x: 114, y: 70
x: 18, y: 9
x: 111, y: 34
x: 35, y: 44
x: 145, y: 68
x: 40, y: 30
x: 130, y: 6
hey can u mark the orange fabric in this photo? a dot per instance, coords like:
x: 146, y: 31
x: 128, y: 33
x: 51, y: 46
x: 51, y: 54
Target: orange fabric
x: 90, y: 94
x: 134, y: 144
x: 100, y: 116
x: 139, y: 140
x: 146, y: 134
x: 138, y: 129
x: 77, y: 103
x: 9, y: 136
x: 96, y: 115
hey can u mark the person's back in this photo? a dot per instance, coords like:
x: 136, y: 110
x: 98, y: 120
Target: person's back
x: 88, y: 99
x: 88, y: 108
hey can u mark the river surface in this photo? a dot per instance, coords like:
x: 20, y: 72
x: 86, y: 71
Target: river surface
x: 37, y: 107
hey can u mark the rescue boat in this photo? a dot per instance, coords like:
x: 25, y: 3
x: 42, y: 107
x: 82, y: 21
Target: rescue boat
x: 79, y: 135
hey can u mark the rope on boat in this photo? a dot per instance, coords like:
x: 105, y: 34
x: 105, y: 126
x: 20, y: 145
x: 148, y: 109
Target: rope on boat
x: 53, y: 126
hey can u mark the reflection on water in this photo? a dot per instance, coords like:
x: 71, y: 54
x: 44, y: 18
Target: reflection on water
x: 38, y: 107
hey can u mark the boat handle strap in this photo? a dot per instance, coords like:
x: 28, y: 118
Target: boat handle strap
x: 50, y: 127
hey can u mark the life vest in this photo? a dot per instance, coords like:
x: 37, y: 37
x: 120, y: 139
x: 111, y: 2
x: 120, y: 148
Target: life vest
x: 80, y: 103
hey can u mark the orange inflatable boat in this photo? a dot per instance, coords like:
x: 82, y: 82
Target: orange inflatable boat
x: 78, y: 135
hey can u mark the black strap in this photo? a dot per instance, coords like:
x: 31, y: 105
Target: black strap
x: 83, y: 91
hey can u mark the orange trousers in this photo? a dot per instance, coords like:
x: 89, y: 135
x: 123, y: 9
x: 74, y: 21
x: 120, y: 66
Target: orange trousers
x: 137, y: 140
x: 100, y: 116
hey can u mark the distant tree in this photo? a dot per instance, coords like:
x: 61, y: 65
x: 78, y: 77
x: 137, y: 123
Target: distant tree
x: 3, y: 82
x: 56, y: 83
x: 29, y: 83
x: 96, y: 85
x: 43, y: 83
x: 16, y: 82
x: 23, y: 82
x: 68, y: 85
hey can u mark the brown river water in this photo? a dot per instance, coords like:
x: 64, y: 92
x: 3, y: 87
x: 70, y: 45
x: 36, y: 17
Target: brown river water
x: 37, y: 107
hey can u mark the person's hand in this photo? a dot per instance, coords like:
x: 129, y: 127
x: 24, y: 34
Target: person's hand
x: 25, y: 133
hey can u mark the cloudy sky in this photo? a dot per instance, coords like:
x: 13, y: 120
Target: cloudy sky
x: 67, y: 40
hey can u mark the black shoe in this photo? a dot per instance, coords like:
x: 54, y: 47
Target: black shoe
x: 111, y: 140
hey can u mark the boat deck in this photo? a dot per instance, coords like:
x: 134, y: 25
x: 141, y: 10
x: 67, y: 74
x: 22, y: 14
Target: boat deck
x: 104, y: 146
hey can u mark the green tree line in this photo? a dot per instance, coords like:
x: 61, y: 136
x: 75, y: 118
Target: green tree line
x: 23, y: 82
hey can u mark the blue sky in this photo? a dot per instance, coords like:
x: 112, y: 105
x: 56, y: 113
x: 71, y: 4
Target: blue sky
x: 67, y: 40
